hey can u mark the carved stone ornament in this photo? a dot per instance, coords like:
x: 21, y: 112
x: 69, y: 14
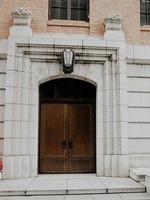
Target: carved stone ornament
x: 113, y: 22
x: 22, y: 17
x: 21, y: 12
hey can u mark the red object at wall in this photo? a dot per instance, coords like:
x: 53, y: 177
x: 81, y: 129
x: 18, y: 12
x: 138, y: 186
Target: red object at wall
x: 1, y: 165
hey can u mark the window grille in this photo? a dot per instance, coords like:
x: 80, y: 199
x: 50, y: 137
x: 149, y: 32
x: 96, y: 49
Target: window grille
x: 145, y: 12
x: 69, y: 9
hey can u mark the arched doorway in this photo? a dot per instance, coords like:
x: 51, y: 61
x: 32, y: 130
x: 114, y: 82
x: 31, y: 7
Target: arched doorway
x: 67, y: 141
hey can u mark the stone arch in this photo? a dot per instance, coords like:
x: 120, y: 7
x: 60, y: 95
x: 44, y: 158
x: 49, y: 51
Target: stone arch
x: 71, y: 76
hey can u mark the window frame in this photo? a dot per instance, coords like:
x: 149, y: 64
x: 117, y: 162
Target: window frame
x: 69, y: 12
x: 146, y: 13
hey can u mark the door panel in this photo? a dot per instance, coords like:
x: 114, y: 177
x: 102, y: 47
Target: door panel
x: 52, y: 155
x: 82, y: 136
x: 67, y: 138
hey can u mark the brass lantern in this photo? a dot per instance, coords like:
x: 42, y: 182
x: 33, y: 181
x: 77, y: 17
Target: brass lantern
x: 68, y: 58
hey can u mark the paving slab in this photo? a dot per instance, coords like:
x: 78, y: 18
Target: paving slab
x: 122, y: 185
x: 78, y: 197
x: 51, y: 176
x: 106, y: 197
x: 34, y: 198
x: 47, y: 187
x: 14, y: 187
x: 58, y: 197
x: 86, y: 186
x: 81, y: 176
x: 135, y: 196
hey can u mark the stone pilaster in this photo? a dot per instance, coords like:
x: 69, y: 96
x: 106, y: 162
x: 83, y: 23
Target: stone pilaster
x: 17, y: 125
x: 117, y: 134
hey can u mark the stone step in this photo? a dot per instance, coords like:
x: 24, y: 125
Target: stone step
x: 126, y: 196
x: 138, y: 174
x: 69, y: 185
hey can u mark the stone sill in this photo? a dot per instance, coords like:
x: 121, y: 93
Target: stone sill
x: 68, y: 23
x: 145, y: 28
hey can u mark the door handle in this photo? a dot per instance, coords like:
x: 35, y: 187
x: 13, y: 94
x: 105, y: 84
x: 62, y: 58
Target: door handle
x: 70, y: 144
x: 64, y: 145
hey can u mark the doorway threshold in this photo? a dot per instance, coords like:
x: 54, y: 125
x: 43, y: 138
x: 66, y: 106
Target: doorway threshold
x: 67, y: 176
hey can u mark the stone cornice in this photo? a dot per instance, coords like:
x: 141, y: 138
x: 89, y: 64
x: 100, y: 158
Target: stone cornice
x: 84, y: 54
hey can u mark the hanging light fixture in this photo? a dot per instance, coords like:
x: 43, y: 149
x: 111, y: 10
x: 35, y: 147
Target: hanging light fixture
x: 68, y: 57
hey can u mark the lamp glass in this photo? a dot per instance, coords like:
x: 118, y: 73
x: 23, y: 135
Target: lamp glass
x: 68, y: 57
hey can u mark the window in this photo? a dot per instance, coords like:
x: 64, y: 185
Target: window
x: 145, y: 12
x: 69, y: 9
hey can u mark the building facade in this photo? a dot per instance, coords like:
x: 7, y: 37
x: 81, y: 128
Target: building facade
x: 91, y: 116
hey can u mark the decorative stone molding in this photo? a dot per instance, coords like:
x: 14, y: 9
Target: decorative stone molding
x: 35, y: 63
x: 113, y: 23
x: 113, y: 29
x: 22, y: 19
x: 22, y: 16
x: 23, y: 12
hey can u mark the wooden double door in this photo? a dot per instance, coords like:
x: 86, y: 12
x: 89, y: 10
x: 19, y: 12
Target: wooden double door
x: 67, y: 138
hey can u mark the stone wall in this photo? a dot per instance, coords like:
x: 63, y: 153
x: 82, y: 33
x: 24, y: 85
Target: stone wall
x: 139, y: 114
